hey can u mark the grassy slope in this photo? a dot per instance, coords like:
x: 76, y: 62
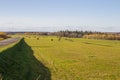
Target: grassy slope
x: 18, y: 63
x: 7, y: 46
x: 81, y: 59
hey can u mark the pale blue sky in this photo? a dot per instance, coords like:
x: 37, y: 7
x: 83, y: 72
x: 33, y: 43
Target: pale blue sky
x: 54, y: 15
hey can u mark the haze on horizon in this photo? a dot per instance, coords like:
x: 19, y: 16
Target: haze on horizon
x: 55, y: 15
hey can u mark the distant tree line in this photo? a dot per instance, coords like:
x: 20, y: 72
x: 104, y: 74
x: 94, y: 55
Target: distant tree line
x: 79, y: 34
x: 4, y: 35
x: 89, y: 35
x: 107, y: 36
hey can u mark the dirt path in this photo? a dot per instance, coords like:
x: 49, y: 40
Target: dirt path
x: 8, y: 41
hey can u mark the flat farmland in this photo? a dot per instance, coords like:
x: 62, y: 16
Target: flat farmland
x: 77, y: 59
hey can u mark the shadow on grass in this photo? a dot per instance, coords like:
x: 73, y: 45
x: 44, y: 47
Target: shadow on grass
x: 19, y: 63
x: 97, y: 44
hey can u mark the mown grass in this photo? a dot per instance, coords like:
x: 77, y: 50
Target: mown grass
x: 19, y: 63
x: 79, y: 59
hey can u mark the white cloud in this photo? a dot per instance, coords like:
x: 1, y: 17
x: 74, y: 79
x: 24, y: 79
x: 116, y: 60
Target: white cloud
x: 54, y: 24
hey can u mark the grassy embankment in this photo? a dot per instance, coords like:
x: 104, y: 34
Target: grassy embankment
x: 7, y: 46
x: 80, y: 59
x: 18, y: 63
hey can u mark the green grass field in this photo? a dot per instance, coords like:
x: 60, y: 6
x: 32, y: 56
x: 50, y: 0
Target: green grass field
x: 75, y: 59
x: 80, y: 59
